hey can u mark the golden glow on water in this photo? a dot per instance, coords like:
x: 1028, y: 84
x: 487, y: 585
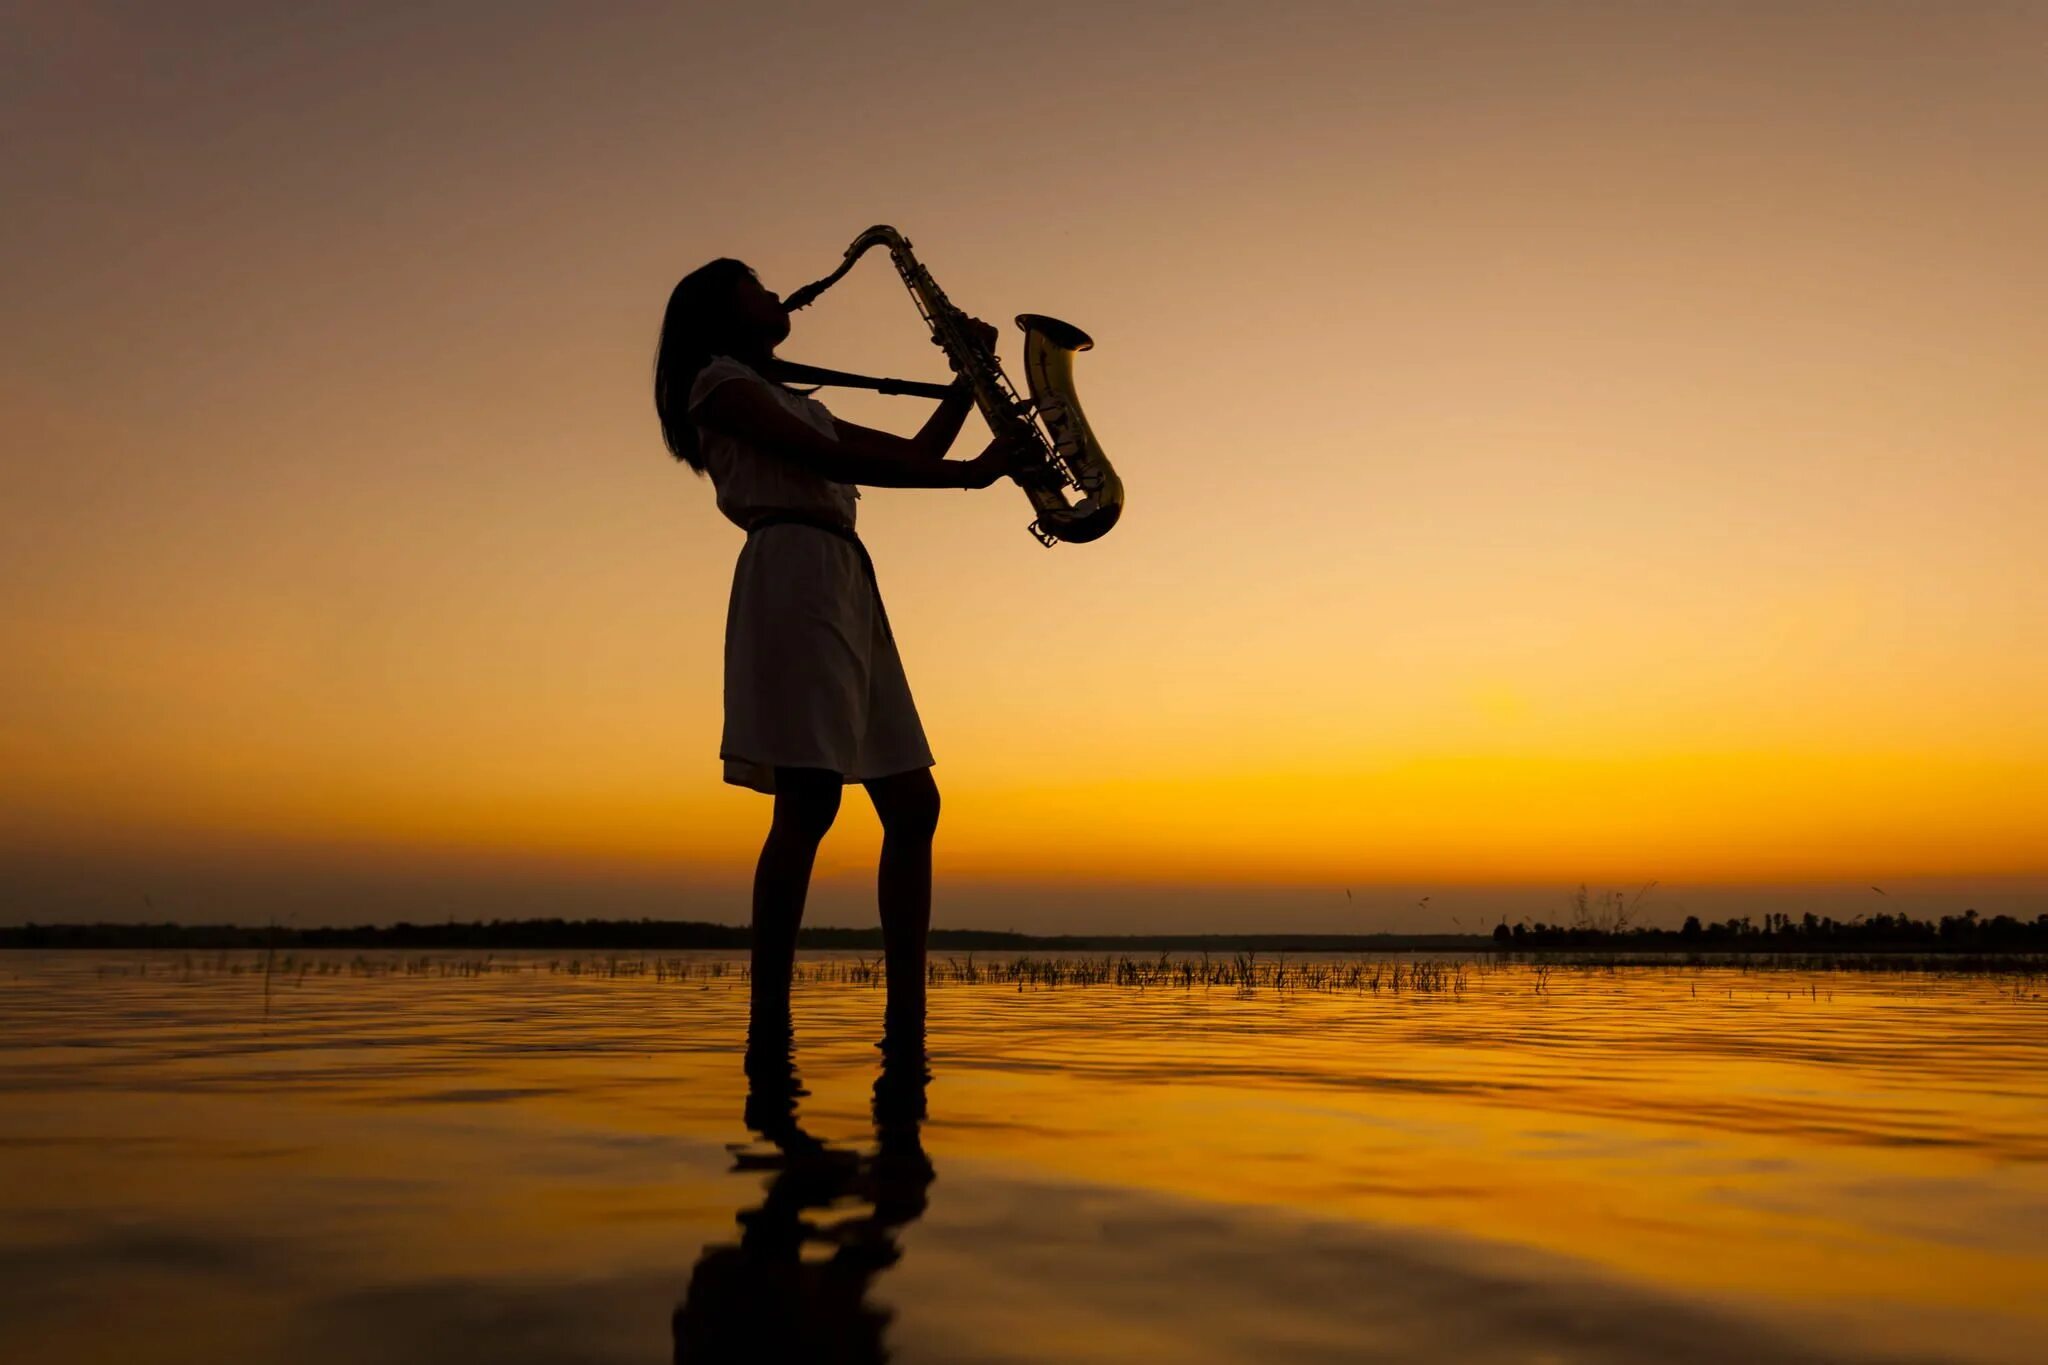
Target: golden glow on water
x: 1839, y: 1164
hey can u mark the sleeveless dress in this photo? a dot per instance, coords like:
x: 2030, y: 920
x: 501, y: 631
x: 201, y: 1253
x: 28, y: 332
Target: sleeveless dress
x: 812, y: 677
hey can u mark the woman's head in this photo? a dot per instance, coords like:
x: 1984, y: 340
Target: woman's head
x: 718, y: 309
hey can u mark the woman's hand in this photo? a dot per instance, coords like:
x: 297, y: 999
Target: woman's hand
x: 1000, y: 459
x: 983, y: 333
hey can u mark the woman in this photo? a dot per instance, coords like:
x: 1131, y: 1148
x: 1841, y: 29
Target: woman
x: 815, y: 695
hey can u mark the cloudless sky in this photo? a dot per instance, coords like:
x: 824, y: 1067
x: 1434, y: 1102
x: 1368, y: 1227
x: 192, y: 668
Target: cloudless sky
x: 1564, y: 442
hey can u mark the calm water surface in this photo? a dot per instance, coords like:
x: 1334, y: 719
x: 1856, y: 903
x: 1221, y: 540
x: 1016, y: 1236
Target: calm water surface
x: 199, y: 1162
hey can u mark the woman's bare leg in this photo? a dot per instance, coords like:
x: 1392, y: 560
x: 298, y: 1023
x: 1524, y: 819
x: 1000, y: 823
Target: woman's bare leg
x: 908, y: 805
x: 806, y: 801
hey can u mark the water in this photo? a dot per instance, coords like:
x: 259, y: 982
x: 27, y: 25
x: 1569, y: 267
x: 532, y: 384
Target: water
x: 202, y: 1162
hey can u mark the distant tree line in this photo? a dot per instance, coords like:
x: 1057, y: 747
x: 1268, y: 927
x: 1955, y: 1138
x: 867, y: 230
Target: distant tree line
x: 673, y: 935
x: 645, y: 934
x: 1964, y: 933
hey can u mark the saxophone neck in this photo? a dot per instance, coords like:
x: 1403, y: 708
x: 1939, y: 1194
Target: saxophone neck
x: 881, y: 234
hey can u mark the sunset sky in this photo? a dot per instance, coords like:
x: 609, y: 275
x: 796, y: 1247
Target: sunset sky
x: 1591, y: 442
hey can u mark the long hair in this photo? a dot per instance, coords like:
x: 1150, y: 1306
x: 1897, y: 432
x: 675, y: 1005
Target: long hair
x: 697, y: 325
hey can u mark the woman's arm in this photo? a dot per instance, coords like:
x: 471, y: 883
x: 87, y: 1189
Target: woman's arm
x: 932, y: 441
x: 874, y: 458
x: 942, y: 428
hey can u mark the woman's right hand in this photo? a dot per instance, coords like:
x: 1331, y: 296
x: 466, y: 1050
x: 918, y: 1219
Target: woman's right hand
x: 1001, y: 458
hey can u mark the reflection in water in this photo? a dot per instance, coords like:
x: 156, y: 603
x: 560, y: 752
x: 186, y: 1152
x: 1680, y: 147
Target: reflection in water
x: 422, y: 1160
x: 795, y: 1285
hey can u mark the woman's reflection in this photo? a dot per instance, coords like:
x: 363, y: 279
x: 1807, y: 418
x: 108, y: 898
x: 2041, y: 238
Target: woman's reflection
x: 795, y: 1286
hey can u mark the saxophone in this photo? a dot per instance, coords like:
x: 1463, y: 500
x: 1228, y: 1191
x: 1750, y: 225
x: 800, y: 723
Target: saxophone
x: 1072, y: 485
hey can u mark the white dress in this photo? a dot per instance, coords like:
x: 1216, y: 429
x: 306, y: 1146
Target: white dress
x: 812, y: 677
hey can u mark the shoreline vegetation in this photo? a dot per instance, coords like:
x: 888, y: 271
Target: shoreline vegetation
x: 1810, y: 935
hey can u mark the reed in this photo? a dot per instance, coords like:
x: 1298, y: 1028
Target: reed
x: 1243, y: 973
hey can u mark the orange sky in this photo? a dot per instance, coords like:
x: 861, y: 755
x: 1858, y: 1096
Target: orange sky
x: 1563, y: 442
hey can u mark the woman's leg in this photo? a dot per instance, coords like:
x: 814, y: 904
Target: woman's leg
x: 908, y: 805
x: 806, y: 800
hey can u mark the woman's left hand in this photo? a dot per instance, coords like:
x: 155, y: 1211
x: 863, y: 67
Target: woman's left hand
x: 983, y: 333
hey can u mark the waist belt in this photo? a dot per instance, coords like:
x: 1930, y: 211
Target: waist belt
x: 845, y: 533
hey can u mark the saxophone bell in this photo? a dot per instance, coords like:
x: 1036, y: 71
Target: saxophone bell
x: 1050, y: 346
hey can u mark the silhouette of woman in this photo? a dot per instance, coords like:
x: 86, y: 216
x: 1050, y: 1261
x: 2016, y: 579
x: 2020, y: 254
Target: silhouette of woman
x: 815, y: 694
